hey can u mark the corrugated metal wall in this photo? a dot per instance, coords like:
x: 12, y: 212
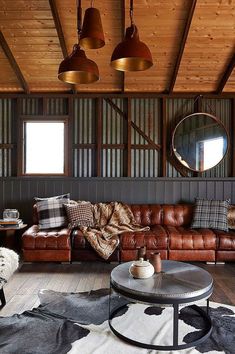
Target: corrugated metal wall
x: 7, y: 136
x: 222, y: 110
x: 113, y: 133
x: 145, y: 113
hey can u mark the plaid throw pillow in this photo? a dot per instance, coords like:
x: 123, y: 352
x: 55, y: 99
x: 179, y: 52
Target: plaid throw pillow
x: 51, y: 213
x: 79, y: 214
x: 210, y: 214
x: 62, y: 196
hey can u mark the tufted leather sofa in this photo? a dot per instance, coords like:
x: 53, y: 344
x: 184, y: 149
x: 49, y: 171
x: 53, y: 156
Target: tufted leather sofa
x: 170, y: 234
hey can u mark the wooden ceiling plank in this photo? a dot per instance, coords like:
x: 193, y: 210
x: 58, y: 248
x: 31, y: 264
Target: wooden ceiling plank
x: 13, y: 63
x: 60, y: 33
x: 182, y: 45
x: 226, y: 75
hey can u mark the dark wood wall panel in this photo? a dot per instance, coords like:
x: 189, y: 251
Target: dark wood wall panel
x: 19, y: 192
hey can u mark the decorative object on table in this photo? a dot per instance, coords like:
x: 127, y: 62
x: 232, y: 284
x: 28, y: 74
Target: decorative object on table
x: 156, y: 261
x: 11, y: 223
x: 11, y: 214
x: 141, y: 253
x: 78, y: 322
x: 210, y: 214
x: 141, y: 269
x: 9, y: 262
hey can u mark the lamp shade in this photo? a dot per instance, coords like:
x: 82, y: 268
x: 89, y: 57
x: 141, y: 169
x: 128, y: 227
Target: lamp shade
x: 131, y: 54
x: 77, y: 68
x: 92, y: 35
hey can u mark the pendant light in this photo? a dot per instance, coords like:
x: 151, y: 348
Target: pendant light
x: 92, y: 35
x: 131, y: 54
x: 77, y: 68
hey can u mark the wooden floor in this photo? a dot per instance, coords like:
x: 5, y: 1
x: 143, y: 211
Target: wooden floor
x: 21, y: 291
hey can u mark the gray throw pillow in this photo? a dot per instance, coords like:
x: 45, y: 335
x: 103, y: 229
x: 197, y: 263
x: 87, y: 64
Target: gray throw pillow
x: 210, y: 214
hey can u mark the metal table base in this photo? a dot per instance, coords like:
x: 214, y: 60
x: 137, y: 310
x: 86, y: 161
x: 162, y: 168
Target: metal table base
x: 176, y: 346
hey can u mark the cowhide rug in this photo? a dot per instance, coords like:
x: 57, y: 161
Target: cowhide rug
x: 78, y: 323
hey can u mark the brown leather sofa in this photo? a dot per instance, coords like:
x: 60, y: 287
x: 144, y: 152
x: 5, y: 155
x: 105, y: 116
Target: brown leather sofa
x: 169, y: 234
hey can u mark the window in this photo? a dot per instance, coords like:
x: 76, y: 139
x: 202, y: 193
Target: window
x: 44, y: 147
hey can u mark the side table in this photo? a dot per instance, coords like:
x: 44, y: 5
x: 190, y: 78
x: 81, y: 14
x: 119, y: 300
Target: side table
x: 10, y: 236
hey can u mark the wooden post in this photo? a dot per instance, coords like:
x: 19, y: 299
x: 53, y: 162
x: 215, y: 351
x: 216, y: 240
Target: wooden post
x: 98, y: 135
x: 129, y: 137
x: 164, y: 137
x: 232, y: 137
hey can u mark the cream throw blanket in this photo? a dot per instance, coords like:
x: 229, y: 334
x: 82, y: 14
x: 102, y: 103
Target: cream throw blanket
x: 111, y: 219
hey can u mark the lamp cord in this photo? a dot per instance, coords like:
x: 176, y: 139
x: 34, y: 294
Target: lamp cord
x: 79, y: 17
x: 131, y: 12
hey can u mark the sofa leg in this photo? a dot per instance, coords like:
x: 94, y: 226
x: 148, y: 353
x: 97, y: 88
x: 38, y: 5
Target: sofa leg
x: 211, y: 263
x: 220, y: 263
x: 2, y: 298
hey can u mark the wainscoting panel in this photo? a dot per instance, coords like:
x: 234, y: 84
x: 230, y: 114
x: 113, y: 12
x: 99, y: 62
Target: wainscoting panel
x: 19, y: 192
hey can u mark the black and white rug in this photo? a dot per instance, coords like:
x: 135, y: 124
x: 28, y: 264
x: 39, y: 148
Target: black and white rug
x: 78, y: 324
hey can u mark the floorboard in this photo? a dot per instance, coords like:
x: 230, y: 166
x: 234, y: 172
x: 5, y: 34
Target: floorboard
x: 21, y: 291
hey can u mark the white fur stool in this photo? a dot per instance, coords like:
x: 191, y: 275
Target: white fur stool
x: 9, y: 262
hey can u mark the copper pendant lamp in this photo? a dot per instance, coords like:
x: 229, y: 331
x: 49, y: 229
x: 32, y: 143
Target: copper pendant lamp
x: 131, y: 54
x: 92, y: 35
x: 77, y: 68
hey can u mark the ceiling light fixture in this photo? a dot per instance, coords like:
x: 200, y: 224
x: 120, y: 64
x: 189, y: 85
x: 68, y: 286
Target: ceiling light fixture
x: 92, y: 35
x: 131, y: 54
x: 77, y: 68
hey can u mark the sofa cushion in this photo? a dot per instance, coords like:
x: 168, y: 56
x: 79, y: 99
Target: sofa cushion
x: 153, y: 240
x: 226, y: 240
x: 211, y: 214
x: 147, y: 214
x: 36, y: 239
x: 177, y: 215
x: 181, y: 238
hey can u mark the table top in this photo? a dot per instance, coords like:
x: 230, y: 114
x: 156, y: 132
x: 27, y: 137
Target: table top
x: 178, y: 282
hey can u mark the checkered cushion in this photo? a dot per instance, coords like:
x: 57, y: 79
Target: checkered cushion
x: 62, y: 196
x: 79, y: 214
x: 210, y: 214
x: 51, y: 213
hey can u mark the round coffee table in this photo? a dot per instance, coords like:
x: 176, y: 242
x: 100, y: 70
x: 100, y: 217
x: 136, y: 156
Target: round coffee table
x: 178, y: 284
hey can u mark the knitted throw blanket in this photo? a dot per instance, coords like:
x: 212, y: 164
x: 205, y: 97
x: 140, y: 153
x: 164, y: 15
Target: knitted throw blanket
x: 9, y: 261
x: 111, y: 219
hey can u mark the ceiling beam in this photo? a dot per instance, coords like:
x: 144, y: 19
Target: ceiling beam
x: 58, y: 27
x: 226, y: 75
x: 60, y: 33
x: 13, y: 63
x: 182, y: 45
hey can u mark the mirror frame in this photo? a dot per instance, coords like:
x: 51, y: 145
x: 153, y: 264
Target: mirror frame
x: 196, y: 114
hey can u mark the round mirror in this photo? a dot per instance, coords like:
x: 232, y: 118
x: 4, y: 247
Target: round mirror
x: 200, y: 141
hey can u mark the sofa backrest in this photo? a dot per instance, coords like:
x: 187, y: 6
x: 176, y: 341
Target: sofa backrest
x: 177, y: 214
x: 147, y: 214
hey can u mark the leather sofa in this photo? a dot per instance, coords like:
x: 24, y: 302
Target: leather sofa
x: 170, y: 234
